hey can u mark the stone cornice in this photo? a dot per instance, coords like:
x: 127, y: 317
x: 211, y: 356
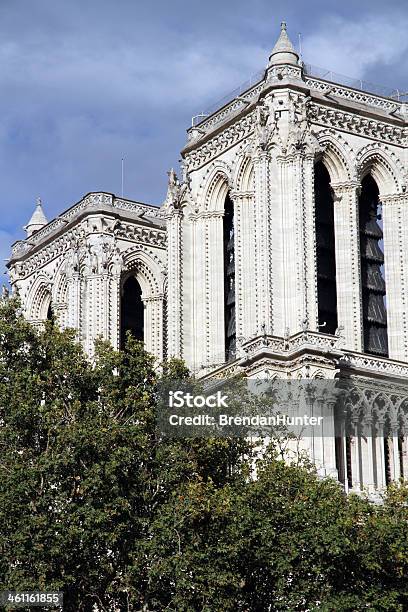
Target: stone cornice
x: 394, y: 198
x: 207, y: 214
x: 132, y: 232
x: 289, y: 347
x: 375, y: 366
x: 356, y: 121
x: 221, y: 141
x: 349, y: 120
x: 92, y: 204
x: 334, y: 95
x: 242, y: 195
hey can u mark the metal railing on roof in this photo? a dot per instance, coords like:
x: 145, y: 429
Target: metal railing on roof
x: 229, y: 97
x: 311, y: 71
x: 361, y: 84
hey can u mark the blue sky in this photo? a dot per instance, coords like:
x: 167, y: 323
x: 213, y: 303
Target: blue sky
x: 85, y: 82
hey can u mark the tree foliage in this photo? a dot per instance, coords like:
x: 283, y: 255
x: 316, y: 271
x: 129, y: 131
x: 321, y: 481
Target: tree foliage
x: 93, y: 502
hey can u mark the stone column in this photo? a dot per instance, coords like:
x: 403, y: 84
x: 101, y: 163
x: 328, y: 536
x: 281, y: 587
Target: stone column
x: 405, y: 457
x: 153, y: 324
x: 245, y: 271
x: 95, y: 313
x: 264, y: 323
x: 368, y: 457
x: 74, y: 305
x: 396, y: 473
x: 214, y: 274
x: 114, y: 310
x: 60, y: 311
x: 395, y: 222
x: 347, y: 245
x: 298, y: 272
x: 200, y: 330
x: 380, y: 455
x: 288, y: 268
x: 174, y: 282
x: 356, y: 456
x: 308, y: 241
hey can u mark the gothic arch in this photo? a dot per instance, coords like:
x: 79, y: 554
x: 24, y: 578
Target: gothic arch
x: 385, y: 168
x: 146, y: 269
x: 39, y: 298
x: 244, y: 174
x: 337, y: 156
x: 60, y: 286
x: 215, y: 185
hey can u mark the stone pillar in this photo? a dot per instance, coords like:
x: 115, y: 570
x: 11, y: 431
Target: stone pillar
x: 214, y: 285
x: 356, y: 458
x: 60, y: 311
x: 368, y: 457
x: 324, y: 437
x: 245, y: 271
x: 347, y: 245
x: 307, y: 234
x: 395, y: 221
x: 264, y: 322
x: 200, y: 331
x: 74, y: 305
x: 114, y: 310
x: 298, y: 271
x: 95, y: 313
x: 405, y: 458
x: 291, y: 312
x: 380, y: 456
x: 153, y: 324
x: 174, y: 282
x: 396, y: 472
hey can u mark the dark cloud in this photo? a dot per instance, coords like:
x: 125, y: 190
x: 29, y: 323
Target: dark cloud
x: 84, y: 83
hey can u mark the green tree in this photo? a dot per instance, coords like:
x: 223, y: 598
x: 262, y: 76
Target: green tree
x: 83, y: 470
x: 95, y: 503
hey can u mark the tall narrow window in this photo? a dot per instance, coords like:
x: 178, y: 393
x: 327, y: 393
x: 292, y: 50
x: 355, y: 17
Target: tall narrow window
x: 373, y: 288
x: 326, y: 255
x: 132, y: 311
x: 229, y: 280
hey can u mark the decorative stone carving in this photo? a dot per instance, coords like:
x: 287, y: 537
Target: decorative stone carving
x: 300, y: 137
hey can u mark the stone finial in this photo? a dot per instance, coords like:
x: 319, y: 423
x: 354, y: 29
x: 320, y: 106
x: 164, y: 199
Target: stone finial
x: 37, y: 221
x: 283, y: 51
x: 173, y: 189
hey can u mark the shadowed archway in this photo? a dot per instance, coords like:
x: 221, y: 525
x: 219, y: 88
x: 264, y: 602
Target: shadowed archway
x: 373, y: 289
x: 325, y: 251
x: 131, y: 311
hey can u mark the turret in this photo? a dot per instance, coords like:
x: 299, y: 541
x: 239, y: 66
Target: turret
x: 37, y: 221
x: 283, y: 52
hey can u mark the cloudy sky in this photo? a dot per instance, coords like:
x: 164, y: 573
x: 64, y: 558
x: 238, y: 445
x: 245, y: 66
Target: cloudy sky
x: 85, y: 82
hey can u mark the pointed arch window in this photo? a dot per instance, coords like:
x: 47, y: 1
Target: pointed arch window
x: 373, y: 289
x: 325, y: 251
x: 229, y: 279
x: 131, y: 311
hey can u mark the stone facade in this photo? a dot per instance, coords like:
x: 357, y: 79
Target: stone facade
x: 260, y: 150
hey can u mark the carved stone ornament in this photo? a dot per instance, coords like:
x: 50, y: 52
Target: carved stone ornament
x: 301, y: 139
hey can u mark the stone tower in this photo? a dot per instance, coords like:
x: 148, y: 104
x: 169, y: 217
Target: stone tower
x: 283, y: 250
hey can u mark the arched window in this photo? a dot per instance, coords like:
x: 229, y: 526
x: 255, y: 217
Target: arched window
x: 229, y: 279
x: 132, y: 311
x: 373, y: 290
x: 326, y: 255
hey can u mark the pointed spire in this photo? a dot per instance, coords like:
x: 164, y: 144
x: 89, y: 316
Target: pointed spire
x: 37, y: 221
x: 283, y: 51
